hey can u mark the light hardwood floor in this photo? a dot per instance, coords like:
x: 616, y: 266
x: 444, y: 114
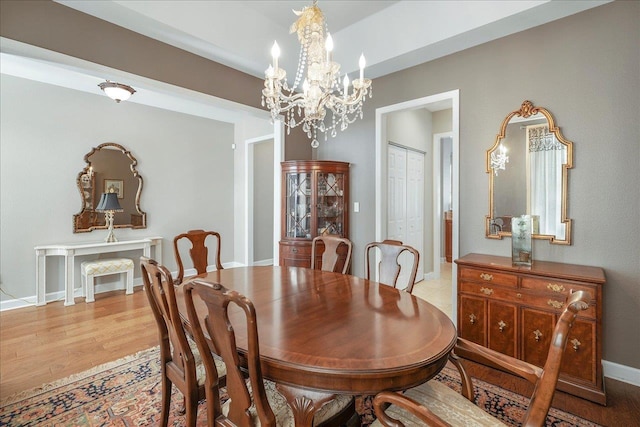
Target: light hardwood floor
x: 438, y: 291
x: 42, y: 344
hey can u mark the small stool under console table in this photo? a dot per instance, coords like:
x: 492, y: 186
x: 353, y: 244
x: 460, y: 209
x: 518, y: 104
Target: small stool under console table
x: 513, y: 309
x: 71, y: 250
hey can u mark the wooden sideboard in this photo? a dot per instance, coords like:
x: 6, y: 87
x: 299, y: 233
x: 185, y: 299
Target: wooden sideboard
x: 514, y: 309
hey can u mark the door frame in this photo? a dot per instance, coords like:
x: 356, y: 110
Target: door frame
x: 278, y: 156
x: 452, y: 97
x: 437, y: 201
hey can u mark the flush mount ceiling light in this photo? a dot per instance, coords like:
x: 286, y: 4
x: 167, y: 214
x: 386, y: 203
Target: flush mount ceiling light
x: 117, y: 91
x: 322, y: 88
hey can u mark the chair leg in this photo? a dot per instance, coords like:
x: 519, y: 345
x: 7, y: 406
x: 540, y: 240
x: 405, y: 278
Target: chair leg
x: 90, y: 288
x: 191, y: 406
x: 166, y: 401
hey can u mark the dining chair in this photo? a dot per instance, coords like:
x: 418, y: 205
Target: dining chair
x: 331, y: 256
x: 255, y: 401
x: 181, y: 363
x: 437, y: 405
x: 199, y: 251
x: 389, y: 267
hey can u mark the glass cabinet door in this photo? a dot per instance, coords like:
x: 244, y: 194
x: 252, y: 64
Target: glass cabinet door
x: 330, y: 204
x: 298, y: 205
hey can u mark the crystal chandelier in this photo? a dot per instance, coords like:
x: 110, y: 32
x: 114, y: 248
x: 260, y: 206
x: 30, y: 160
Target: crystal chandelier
x: 322, y: 88
x: 499, y: 159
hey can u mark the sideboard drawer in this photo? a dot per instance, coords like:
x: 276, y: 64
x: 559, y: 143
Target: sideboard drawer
x: 489, y: 291
x: 489, y: 277
x: 296, y: 254
x: 554, y: 286
x: 296, y: 251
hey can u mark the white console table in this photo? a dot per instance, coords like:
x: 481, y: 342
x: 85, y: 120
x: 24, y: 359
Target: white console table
x: 70, y: 251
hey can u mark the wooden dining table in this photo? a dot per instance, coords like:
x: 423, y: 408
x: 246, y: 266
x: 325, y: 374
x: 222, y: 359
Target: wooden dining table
x: 323, y: 333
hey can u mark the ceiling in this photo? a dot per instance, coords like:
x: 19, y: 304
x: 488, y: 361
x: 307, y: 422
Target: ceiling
x: 393, y: 35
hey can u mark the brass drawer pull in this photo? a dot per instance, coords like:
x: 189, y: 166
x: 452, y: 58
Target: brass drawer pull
x: 472, y: 318
x: 501, y: 326
x: 575, y: 344
x: 537, y: 334
x: 294, y: 250
x: 487, y: 277
x: 555, y: 287
x: 519, y: 295
x: 486, y: 291
x: 555, y: 304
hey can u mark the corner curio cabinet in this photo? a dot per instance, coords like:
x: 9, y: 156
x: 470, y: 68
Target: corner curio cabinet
x: 315, y: 202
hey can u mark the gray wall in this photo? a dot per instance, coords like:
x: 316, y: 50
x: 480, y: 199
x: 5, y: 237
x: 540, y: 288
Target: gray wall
x: 586, y: 70
x: 45, y: 131
x: 263, y: 201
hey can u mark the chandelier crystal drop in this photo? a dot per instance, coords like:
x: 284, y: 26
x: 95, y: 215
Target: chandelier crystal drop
x: 499, y: 159
x: 317, y: 86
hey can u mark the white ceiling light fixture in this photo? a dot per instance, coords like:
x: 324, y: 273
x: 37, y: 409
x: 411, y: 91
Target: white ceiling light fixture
x: 117, y: 91
x: 322, y: 86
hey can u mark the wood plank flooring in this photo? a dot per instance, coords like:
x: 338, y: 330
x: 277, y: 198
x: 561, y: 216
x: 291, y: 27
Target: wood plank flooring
x: 41, y: 344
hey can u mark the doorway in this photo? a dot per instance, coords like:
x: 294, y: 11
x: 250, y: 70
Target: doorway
x: 262, y: 157
x: 434, y: 212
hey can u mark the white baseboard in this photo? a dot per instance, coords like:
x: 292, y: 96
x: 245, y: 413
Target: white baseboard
x: 111, y: 286
x: 622, y: 373
x: 59, y: 295
x: 263, y: 262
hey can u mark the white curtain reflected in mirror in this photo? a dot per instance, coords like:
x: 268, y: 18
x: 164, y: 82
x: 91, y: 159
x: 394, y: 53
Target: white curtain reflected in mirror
x: 544, y: 187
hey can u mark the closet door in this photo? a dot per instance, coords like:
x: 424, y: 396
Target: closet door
x: 397, y: 193
x: 405, y: 207
x: 415, y: 207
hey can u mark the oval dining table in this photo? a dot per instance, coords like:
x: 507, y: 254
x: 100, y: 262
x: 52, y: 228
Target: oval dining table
x: 330, y: 333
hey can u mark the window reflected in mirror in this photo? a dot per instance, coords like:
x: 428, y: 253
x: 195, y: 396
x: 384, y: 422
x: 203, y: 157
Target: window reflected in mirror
x: 110, y: 168
x: 527, y: 166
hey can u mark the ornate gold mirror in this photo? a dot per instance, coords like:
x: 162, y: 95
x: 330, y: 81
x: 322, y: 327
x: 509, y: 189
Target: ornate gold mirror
x: 527, y: 168
x: 110, y: 169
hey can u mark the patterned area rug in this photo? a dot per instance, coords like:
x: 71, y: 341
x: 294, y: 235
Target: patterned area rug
x: 127, y: 393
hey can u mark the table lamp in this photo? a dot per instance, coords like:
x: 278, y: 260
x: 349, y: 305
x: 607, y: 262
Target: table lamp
x: 109, y: 204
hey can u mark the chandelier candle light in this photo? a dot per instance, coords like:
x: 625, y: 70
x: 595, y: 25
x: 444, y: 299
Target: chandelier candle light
x: 322, y: 87
x: 499, y: 159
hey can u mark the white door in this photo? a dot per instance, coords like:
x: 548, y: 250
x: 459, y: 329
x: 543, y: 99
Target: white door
x: 405, y: 213
x: 415, y: 206
x: 397, y: 193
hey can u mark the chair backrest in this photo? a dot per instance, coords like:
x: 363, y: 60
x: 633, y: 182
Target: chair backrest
x: 330, y: 256
x: 389, y: 267
x: 199, y: 251
x: 175, y: 351
x: 219, y: 329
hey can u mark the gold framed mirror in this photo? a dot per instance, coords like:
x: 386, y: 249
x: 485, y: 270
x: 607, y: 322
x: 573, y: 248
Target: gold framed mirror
x: 110, y: 168
x: 528, y: 172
